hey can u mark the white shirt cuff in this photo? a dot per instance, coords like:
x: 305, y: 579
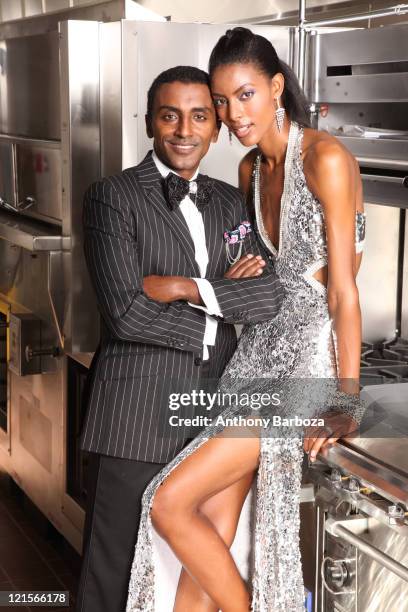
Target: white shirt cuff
x: 208, y: 296
x: 210, y: 335
x: 210, y: 332
x: 211, y: 307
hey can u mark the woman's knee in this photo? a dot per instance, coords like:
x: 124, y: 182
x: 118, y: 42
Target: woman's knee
x: 168, y: 512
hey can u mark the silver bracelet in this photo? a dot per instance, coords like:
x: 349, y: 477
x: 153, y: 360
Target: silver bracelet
x: 351, y: 405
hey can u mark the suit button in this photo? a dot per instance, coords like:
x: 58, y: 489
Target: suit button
x: 198, y: 361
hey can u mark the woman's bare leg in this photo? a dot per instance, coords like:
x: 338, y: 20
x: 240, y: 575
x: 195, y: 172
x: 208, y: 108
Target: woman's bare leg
x: 223, y: 510
x: 216, y: 465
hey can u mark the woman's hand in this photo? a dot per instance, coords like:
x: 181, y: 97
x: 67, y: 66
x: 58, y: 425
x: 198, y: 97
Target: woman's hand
x: 336, y: 425
x: 249, y: 265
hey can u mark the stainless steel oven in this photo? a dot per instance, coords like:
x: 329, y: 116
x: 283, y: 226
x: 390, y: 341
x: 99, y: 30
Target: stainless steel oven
x: 357, y: 82
x: 361, y: 505
x: 49, y: 154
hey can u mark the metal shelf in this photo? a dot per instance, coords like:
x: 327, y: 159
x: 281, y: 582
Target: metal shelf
x: 31, y: 235
x: 378, y: 152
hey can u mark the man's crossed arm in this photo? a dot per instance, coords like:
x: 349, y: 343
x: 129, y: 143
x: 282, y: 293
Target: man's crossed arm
x: 129, y: 312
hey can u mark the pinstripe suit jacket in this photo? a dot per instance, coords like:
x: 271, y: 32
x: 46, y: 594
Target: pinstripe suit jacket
x: 129, y: 233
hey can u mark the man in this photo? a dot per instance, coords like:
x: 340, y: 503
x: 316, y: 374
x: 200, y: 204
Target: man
x: 142, y: 227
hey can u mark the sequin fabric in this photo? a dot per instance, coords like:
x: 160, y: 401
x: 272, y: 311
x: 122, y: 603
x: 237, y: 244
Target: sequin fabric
x: 297, y: 344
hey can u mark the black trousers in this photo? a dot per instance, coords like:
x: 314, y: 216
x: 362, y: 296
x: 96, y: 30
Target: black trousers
x: 110, y: 532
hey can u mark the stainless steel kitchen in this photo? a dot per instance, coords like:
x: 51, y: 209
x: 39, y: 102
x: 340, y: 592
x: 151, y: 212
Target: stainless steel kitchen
x: 74, y: 76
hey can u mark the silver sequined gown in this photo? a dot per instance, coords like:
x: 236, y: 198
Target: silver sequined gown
x: 299, y: 344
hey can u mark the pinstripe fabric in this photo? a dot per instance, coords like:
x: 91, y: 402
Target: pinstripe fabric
x: 129, y: 233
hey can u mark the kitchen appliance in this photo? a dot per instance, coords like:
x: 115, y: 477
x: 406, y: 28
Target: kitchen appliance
x: 362, y: 509
x: 357, y: 82
x: 384, y: 362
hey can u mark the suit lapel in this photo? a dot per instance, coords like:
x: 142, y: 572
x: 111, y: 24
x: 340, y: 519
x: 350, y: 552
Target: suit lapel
x: 213, y: 218
x: 215, y: 224
x: 151, y: 181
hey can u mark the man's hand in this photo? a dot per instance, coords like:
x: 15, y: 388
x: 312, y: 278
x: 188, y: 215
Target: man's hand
x: 171, y: 288
x: 336, y: 425
x: 246, y: 267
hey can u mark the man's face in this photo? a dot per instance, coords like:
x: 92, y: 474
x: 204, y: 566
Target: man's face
x: 183, y: 125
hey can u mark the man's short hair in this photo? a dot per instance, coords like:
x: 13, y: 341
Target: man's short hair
x: 185, y: 74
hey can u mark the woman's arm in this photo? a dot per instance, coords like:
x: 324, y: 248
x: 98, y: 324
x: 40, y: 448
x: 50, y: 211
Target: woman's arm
x: 331, y: 175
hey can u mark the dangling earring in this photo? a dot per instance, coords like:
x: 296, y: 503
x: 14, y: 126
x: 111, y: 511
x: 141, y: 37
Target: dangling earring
x: 230, y: 136
x: 279, y: 115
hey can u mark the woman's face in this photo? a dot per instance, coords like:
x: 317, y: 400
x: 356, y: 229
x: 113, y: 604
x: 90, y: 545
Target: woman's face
x: 245, y: 100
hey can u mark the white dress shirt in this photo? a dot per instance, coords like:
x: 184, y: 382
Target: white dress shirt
x: 195, y: 224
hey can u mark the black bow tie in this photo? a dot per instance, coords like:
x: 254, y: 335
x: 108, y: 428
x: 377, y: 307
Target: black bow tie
x: 176, y: 188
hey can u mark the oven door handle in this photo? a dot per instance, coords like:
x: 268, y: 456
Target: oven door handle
x: 337, y: 529
x: 402, y: 181
x: 8, y: 206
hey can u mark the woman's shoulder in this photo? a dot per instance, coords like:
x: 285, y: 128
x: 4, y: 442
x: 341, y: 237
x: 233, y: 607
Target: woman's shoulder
x: 329, y: 167
x: 322, y: 152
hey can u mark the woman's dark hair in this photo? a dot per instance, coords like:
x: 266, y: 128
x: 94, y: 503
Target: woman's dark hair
x: 241, y: 46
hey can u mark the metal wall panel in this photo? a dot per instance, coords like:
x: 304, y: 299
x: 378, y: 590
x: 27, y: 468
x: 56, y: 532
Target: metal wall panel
x: 404, y: 305
x: 33, y: 7
x: 56, y: 5
x: 80, y: 144
x: 230, y: 10
x: 110, y: 74
x: 378, y: 276
x: 11, y: 9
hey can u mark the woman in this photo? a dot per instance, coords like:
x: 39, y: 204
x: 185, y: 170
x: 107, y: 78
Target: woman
x: 307, y: 199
